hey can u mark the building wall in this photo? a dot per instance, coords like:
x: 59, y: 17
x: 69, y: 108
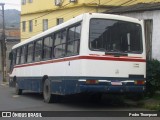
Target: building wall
x: 66, y: 14
x: 46, y: 5
x: 12, y: 38
x: 155, y: 16
x: 9, y: 46
x: 46, y: 9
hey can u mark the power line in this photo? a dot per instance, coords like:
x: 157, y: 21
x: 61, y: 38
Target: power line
x: 123, y: 3
x: 44, y: 14
x: 66, y: 14
x: 60, y: 16
x: 49, y: 13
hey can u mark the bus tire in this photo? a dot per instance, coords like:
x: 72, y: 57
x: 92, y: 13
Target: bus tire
x: 47, y: 93
x: 17, y: 90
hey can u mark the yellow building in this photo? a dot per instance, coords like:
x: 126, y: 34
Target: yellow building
x: 40, y: 15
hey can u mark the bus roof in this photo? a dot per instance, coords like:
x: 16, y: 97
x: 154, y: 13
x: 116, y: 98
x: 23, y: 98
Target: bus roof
x: 75, y: 20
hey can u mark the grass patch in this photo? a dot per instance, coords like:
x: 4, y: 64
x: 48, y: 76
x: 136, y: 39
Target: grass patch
x: 156, y: 97
x: 153, y: 107
x: 152, y: 103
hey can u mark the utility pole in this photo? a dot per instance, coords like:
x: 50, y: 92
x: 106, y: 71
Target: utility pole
x: 3, y: 46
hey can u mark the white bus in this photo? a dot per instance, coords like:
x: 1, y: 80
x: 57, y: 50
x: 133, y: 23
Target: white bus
x: 91, y: 53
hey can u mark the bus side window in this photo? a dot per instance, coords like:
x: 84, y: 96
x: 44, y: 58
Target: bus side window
x: 60, y: 44
x: 18, y: 56
x: 47, y: 47
x: 29, y: 53
x: 11, y: 61
x: 14, y: 56
x: 73, y: 40
x: 38, y: 50
x: 23, y: 55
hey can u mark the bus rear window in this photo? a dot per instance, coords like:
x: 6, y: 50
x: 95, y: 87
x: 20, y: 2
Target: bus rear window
x: 115, y: 36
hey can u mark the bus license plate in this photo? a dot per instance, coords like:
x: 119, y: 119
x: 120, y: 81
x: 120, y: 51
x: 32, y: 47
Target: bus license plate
x: 116, y: 83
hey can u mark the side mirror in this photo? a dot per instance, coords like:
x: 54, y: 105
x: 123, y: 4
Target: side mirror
x: 10, y: 55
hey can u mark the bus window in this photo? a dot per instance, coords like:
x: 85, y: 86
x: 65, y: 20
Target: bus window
x: 60, y: 44
x: 14, y: 56
x: 23, y: 55
x: 38, y: 50
x: 115, y: 36
x: 30, y: 53
x: 47, y: 47
x: 63, y: 36
x: 18, y: 56
x: 78, y: 32
x: 11, y: 58
x: 73, y: 40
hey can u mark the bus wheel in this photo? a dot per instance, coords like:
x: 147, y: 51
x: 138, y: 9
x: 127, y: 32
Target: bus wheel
x: 47, y: 94
x: 17, y: 90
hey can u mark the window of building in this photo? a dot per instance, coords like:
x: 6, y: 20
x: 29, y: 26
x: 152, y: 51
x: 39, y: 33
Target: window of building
x: 23, y: 55
x: 47, y: 47
x: 45, y: 24
x: 59, y: 21
x: 23, y: 2
x: 23, y: 26
x: 73, y: 40
x: 58, y: 2
x: 30, y: 1
x: 38, y: 50
x: 30, y: 25
x: 29, y: 53
x: 35, y: 22
x: 60, y: 44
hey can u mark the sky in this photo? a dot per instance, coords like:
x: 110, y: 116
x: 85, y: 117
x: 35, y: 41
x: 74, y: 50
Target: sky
x: 12, y: 4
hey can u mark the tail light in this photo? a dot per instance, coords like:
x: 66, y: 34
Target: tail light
x: 139, y: 82
x: 92, y: 81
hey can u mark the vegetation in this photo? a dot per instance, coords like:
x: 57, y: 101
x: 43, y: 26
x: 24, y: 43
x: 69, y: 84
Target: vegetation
x: 152, y: 97
x: 153, y: 107
x: 153, y: 77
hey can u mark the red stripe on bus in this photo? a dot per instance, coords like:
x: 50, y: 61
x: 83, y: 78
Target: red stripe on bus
x: 83, y: 57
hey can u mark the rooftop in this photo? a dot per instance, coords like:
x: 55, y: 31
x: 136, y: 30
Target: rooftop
x: 135, y: 8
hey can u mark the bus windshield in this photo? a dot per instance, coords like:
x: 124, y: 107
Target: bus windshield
x: 114, y: 36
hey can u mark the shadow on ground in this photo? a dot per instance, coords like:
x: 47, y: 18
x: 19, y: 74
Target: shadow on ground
x: 84, y: 101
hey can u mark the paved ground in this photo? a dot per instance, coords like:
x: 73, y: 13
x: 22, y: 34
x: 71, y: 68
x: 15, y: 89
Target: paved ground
x: 34, y: 102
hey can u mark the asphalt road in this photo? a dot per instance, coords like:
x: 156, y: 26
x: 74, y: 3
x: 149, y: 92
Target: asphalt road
x: 30, y: 101
x: 33, y: 101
